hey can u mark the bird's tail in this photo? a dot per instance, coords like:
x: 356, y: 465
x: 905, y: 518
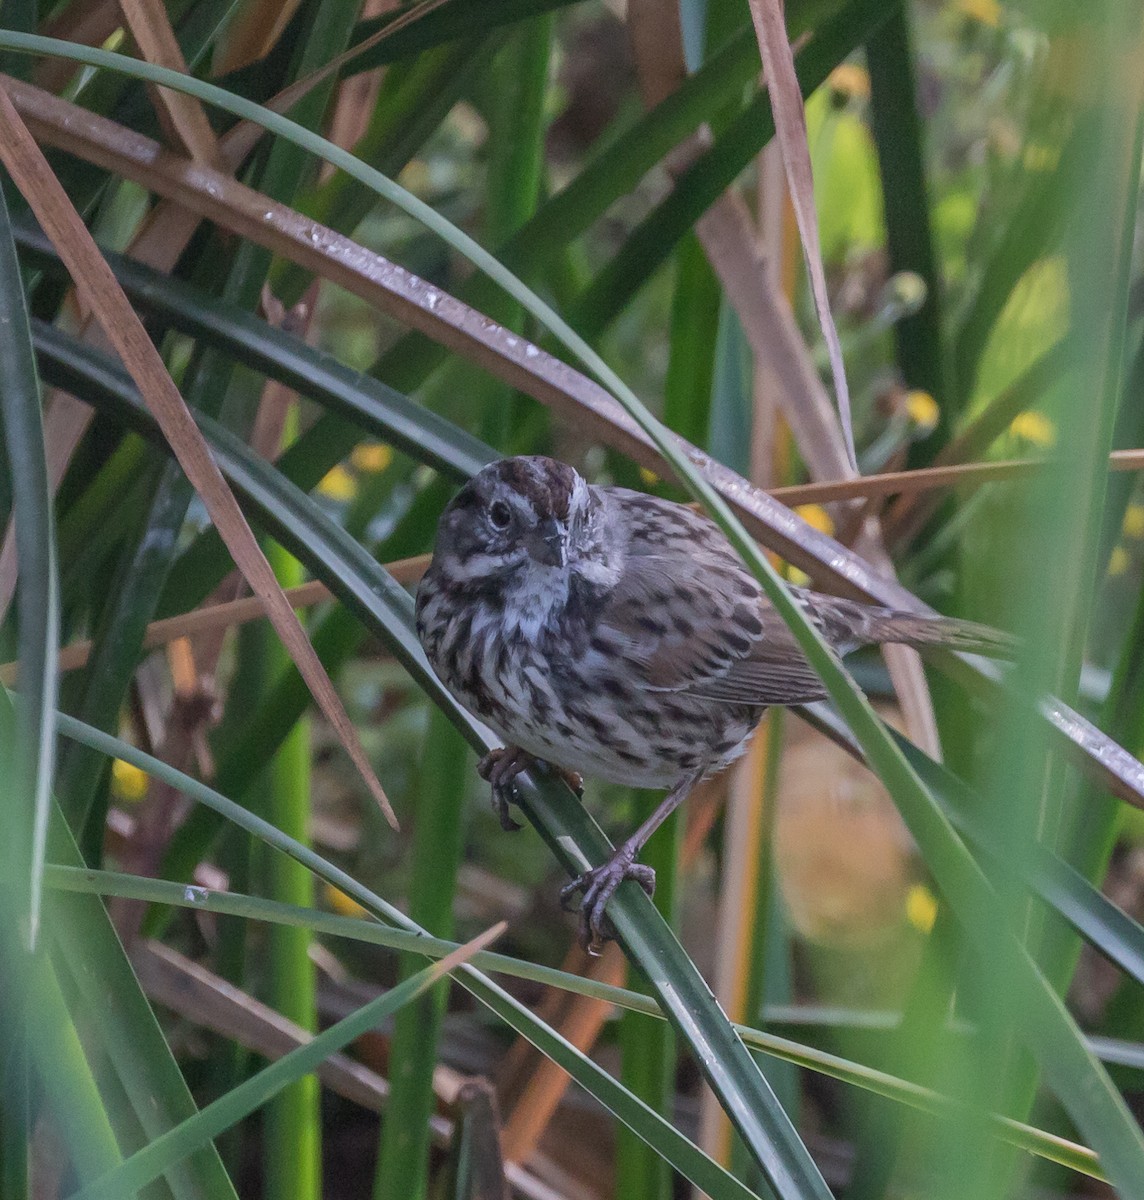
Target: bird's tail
x: 846, y: 624
x: 919, y: 629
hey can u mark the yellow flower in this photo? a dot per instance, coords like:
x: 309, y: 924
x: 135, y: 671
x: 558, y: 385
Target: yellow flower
x: 342, y: 904
x: 850, y: 80
x: 816, y: 517
x: 338, y: 484
x: 923, y: 410
x: 128, y: 782
x: 371, y: 456
x: 921, y: 907
x: 988, y: 12
x: 1118, y: 562
x: 1039, y: 158
x: 1134, y: 521
x: 1034, y: 427
x: 648, y: 478
x: 797, y: 577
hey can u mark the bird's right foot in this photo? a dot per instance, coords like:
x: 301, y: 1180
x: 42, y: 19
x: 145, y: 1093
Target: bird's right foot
x: 500, y: 768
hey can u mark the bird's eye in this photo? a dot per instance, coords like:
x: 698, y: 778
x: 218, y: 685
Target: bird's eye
x: 500, y: 514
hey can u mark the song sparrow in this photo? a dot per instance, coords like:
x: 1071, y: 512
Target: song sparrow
x: 604, y: 630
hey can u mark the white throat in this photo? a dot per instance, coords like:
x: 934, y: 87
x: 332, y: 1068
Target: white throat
x: 536, y: 595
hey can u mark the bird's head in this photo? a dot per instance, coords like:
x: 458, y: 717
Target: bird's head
x: 519, y: 515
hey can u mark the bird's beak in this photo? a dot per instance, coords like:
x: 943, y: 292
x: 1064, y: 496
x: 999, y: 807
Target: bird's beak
x: 548, y: 543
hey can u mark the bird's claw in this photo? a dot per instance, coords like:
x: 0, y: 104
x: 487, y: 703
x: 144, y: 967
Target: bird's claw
x: 500, y: 768
x: 597, y: 887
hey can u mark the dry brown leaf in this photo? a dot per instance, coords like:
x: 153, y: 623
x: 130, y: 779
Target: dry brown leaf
x: 790, y: 126
x: 534, y: 1084
x: 729, y: 242
x: 252, y: 33
x: 182, y: 116
x: 96, y: 282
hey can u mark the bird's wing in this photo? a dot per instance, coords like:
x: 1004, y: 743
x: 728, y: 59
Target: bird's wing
x: 687, y: 617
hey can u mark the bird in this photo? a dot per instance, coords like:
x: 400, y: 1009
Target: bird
x: 606, y: 632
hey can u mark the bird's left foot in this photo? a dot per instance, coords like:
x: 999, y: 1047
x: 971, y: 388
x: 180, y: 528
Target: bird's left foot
x: 598, y: 886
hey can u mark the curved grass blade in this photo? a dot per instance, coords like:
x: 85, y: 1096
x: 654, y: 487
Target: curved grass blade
x: 96, y: 283
x: 682, y: 1154
x: 1056, y: 1042
x: 584, y: 402
x: 634, y: 926
x: 21, y: 427
x: 255, y: 908
x: 1118, y: 771
x: 374, y: 406
x: 436, y: 854
x: 1108, y: 929
x: 172, y: 1147
x: 118, y: 1018
x: 310, y: 372
x: 388, y: 610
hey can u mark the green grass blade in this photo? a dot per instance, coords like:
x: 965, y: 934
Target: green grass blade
x: 897, y: 129
x: 292, y: 1124
x: 450, y: 22
x: 377, y: 409
x: 438, y: 839
x: 33, y: 759
x: 117, y: 1020
x: 694, y: 328
x: 683, y: 1155
x: 172, y: 1147
x: 254, y: 908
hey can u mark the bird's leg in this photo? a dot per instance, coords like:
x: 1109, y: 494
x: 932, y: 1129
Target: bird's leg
x: 600, y: 883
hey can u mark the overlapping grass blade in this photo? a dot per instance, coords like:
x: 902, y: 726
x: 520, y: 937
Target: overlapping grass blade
x: 170, y: 1148
x: 110, y: 883
x: 683, y: 1155
x: 349, y: 551
x: 86, y: 370
x: 387, y: 609
x: 1063, y: 1056
x: 897, y: 128
x: 21, y: 428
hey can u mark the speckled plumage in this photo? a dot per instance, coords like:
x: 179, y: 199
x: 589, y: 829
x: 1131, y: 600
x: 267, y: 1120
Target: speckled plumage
x: 614, y: 633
